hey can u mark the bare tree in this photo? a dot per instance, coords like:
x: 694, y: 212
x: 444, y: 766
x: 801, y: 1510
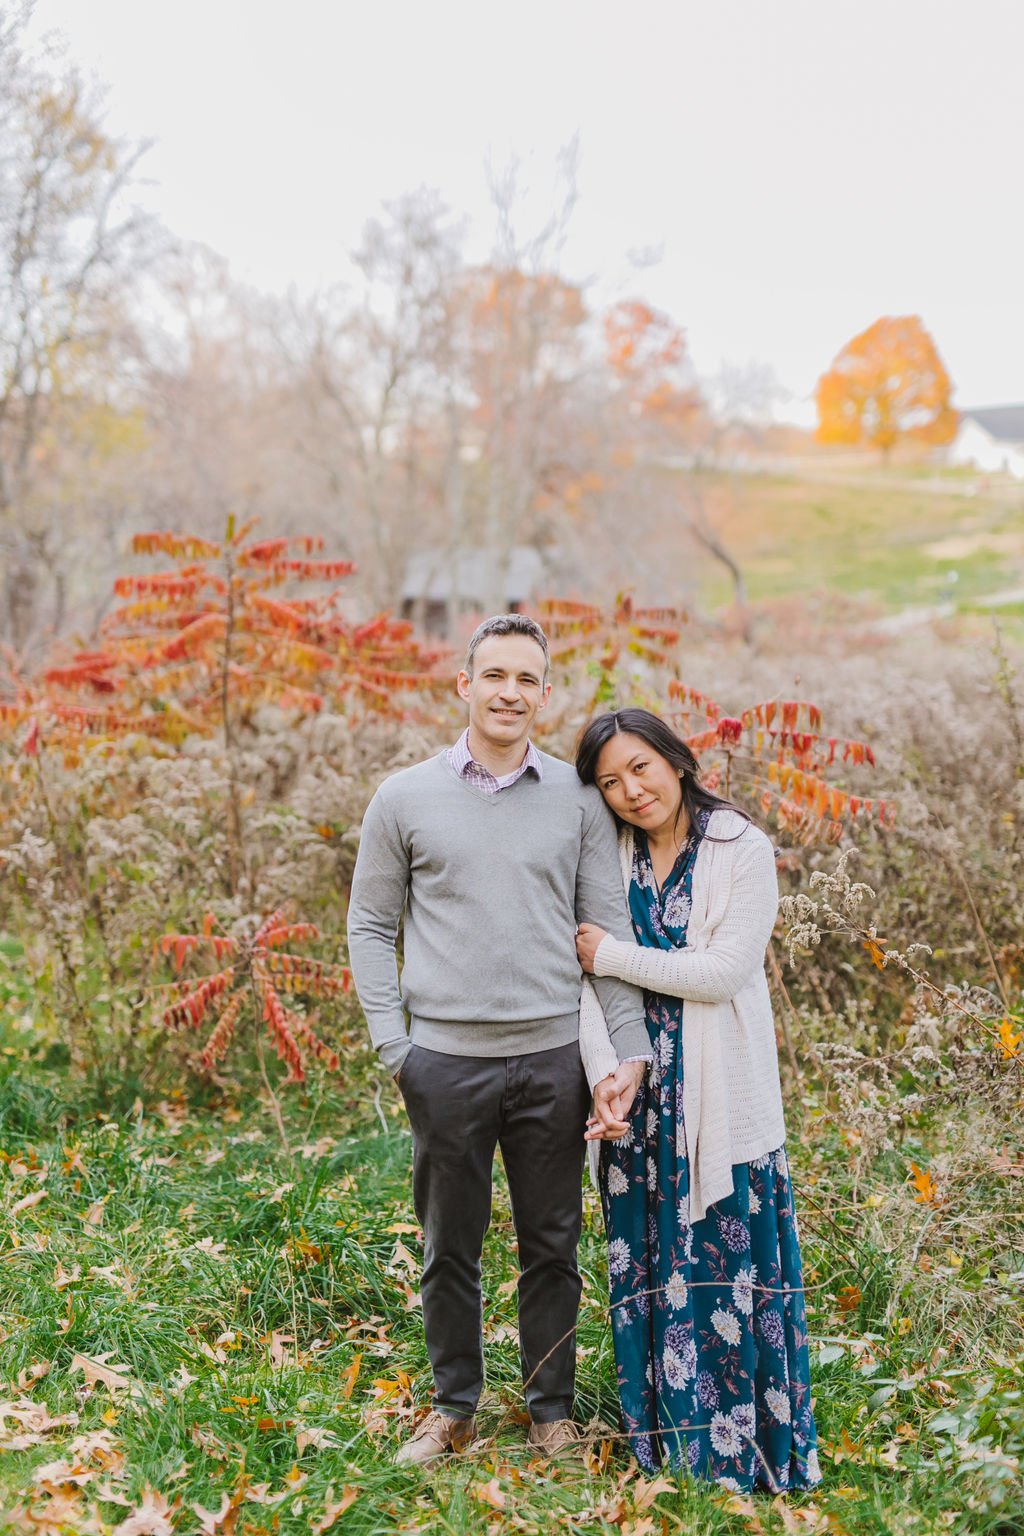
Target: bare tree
x: 375, y: 375
x: 528, y: 356
x: 66, y: 258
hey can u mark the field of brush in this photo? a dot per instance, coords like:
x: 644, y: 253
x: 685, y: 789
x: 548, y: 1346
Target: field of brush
x: 209, y: 1311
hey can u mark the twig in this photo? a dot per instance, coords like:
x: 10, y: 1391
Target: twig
x: 377, y: 1105
x: 786, y: 1036
x: 921, y: 1236
x: 272, y: 1096
x: 954, y: 865
x: 890, y: 1310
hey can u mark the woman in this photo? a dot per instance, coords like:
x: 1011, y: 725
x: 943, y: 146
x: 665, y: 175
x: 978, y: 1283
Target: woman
x: 708, y: 1313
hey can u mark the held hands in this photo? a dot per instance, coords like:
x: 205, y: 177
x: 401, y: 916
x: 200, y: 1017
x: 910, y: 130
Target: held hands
x: 613, y: 1099
x: 588, y: 937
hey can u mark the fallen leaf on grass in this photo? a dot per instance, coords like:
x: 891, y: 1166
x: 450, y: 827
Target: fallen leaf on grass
x: 151, y: 1517
x: 108, y: 1494
x: 349, y: 1376
x: 210, y: 1443
x: 391, y: 1399
x: 280, y: 1356
x: 93, y: 1217
x: 843, y: 1449
x: 34, y: 1421
x: 402, y: 1258
x: 384, y: 1386
x: 122, y: 1280
x: 34, y: 1372
x: 596, y: 1461
x: 786, y: 1515
x: 737, y: 1504
x: 97, y: 1370
x: 62, y: 1512
x: 489, y: 1493
x: 645, y: 1493
x: 27, y: 1201
x: 54, y: 1474
x: 224, y: 1519
x: 63, y: 1277
x: 259, y: 1493
x: 302, y: 1249
x: 211, y: 1249
x: 320, y: 1438
x: 496, y: 1333
x: 100, y: 1446
x: 333, y: 1508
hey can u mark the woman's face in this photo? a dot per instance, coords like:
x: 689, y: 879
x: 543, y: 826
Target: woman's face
x: 640, y: 785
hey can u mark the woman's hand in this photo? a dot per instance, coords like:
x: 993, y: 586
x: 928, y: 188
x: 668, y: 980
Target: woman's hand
x: 588, y: 937
x: 613, y: 1099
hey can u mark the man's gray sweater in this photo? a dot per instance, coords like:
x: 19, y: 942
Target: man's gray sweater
x: 492, y: 887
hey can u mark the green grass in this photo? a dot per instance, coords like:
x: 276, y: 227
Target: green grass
x: 881, y: 537
x: 261, y: 1306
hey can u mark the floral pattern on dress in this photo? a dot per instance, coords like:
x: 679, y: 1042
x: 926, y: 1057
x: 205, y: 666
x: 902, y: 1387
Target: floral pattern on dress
x: 708, y: 1319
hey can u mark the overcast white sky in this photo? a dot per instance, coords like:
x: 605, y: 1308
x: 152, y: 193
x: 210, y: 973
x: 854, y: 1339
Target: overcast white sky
x: 803, y: 166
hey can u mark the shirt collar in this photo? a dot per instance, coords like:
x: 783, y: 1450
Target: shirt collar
x: 461, y: 757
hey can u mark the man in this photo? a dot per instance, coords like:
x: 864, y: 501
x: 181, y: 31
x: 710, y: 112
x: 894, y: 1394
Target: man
x: 495, y: 851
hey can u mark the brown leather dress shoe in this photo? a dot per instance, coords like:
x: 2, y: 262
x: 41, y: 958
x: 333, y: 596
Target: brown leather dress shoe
x: 555, y: 1438
x: 434, y: 1437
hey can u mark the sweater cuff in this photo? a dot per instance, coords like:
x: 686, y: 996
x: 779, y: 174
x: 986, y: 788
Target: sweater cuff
x: 611, y: 956
x: 393, y: 1052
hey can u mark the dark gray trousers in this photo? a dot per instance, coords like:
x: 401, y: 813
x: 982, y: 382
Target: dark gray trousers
x: 535, y: 1108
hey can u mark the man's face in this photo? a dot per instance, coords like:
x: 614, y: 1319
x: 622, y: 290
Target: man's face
x: 507, y: 689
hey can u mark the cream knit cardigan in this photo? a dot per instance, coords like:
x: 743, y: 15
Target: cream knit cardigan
x: 732, y: 1101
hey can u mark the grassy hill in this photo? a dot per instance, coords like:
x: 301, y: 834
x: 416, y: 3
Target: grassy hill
x: 893, y: 538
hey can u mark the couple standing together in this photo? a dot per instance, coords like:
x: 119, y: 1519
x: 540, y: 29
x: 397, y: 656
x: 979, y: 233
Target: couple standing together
x: 514, y: 871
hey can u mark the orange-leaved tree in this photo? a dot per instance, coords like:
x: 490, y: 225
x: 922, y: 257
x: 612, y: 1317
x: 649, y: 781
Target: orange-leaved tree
x: 646, y: 351
x: 191, y: 650
x: 197, y: 646
x: 775, y: 755
x: 259, y: 970
x: 887, y: 385
x: 601, y: 638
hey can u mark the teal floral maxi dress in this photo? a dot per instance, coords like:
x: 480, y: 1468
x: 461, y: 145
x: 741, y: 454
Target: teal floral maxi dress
x: 708, y: 1318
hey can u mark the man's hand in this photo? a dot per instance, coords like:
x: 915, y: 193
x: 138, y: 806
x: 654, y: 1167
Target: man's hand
x: 588, y: 937
x: 613, y: 1099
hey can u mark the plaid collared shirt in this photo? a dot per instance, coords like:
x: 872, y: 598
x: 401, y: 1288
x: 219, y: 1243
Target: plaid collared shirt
x: 461, y: 759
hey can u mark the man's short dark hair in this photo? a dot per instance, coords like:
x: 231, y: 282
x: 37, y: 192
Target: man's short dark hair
x: 508, y: 624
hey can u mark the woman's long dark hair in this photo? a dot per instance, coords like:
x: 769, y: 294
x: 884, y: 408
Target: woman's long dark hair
x: 661, y: 738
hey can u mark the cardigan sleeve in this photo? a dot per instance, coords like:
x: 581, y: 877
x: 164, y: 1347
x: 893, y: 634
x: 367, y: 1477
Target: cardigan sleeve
x: 600, y: 899
x: 734, y: 952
